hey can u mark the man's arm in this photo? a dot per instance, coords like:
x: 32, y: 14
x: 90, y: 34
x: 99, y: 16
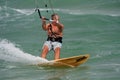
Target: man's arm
x: 44, y: 26
x: 60, y: 26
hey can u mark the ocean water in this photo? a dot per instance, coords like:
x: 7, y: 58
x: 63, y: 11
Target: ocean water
x: 91, y: 27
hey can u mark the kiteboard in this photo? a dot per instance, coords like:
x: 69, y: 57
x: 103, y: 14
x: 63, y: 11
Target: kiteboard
x: 67, y: 62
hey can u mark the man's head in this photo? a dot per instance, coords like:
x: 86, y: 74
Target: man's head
x: 55, y: 17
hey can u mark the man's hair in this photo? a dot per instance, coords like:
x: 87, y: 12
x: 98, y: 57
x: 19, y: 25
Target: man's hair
x: 53, y: 14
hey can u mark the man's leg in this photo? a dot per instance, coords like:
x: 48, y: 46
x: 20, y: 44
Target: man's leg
x: 57, y: 53
x: 44, y: 51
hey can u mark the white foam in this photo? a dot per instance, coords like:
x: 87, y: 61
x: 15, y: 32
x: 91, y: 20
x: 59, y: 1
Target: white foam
x: 9, y: 52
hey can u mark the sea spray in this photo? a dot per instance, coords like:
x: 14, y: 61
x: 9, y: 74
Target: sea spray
x: 9, y: 52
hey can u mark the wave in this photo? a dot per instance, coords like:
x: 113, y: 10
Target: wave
x: 21, y: 11
x: 31, y: 11
x: 25, y: 11
x: 87, y: 12
x: 11, y: 53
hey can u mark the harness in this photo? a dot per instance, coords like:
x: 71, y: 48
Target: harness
x: 58, y: 39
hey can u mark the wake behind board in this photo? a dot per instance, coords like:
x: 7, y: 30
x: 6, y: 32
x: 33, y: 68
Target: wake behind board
x: 68, y: 62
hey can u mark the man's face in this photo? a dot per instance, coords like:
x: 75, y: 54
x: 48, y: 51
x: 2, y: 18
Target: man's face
x: 55, y: 17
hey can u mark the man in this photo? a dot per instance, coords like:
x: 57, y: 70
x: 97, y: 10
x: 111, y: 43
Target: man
x: 55, y: 33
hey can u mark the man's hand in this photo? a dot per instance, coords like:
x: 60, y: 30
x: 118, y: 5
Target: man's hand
x: 43, y: 19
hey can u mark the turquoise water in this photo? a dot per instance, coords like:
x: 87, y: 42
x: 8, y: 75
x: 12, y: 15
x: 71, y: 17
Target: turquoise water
x: 91, y: 26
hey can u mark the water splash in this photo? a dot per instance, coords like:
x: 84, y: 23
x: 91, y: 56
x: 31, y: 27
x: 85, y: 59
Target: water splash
x: 9, y: 52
